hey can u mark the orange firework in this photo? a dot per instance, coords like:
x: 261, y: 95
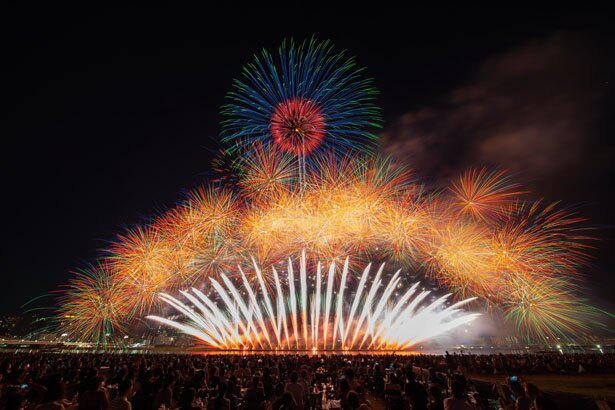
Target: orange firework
x: 376, y: 176
x: 143, y: 263
x: 484, y: 195
x: 402, y: 230
x: 208, y: 215
x: 541, y: 241
x: 211, y: 257
x: 93, y: 307
x: 344, y: 208
x: 207, y: 210
x: 266, y: 174
x: 462, y: 259
x: 530, y: 242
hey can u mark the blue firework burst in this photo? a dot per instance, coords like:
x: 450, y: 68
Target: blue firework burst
x: 304, y: 99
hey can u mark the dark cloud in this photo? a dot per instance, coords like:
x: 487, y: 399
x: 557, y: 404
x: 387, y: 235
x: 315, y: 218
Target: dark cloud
x: 533, y: 110
x: 543, y: 111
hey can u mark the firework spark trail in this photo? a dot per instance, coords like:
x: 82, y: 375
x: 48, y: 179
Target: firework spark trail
x: 386, y: 328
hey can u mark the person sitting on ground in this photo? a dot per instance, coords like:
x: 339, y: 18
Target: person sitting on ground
x: 254, y: 397
x: 457, y: 401
x: 436, y: 401
x: 220, y: 402
x: 165, y: 394
x: 124, y: 392
x: 186, y: 399
x: 353, y: 401
x: 520, y: 399
x: 415, y: 392
x: 364, y: 402
x: 285, y: 402
x: 55, y: 395
x: 392, y: 386
x: 276, y: 395
x: 95, y: 396
x: 232, y: 392
x: 296, y: 390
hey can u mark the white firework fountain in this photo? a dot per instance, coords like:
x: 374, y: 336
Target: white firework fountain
x: 329, y: 319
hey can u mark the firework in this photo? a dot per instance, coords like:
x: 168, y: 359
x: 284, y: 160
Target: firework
x: 143, y: 264
x: 209, y: 260
x: 93, y: 307
x: 346, y: 207
x: 208, y: 210
x: 541, y: 240
x: 304, y: 99
x: 484, y: 194
x: 543, y: 309
x: 374, y: 319
x: 462, y: 259
x: 297, y: 126
x: 266, y: 174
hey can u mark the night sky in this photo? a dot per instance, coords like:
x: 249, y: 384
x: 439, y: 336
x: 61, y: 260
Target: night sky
x: 111, y: 115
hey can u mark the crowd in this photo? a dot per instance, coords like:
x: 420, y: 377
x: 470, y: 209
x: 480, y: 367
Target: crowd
x: 166, y: 381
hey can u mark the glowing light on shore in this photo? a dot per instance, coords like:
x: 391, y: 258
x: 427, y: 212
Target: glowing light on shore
x: 337, y: 317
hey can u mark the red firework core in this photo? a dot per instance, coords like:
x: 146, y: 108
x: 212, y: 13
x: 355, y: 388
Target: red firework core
x: 297, y: 126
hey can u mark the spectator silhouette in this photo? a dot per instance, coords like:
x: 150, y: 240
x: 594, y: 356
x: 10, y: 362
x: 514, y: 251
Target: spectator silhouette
x: 122, y: 401
x: 296, y: 390
x: 457, y: 401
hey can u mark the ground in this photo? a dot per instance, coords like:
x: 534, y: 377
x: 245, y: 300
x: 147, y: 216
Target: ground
x: 592, y: 385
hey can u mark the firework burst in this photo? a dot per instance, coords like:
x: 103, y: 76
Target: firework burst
x: 304, y: 98
x: 543, y: 241
x: 144, y: 265
x: 483, y: 194
x: 266, y: 174
x: 297, y: 126
x: 548, y: 308
x: 374, y: 319
x: 367, y: 208
x: 462, y: 257
x: 93, y: 307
